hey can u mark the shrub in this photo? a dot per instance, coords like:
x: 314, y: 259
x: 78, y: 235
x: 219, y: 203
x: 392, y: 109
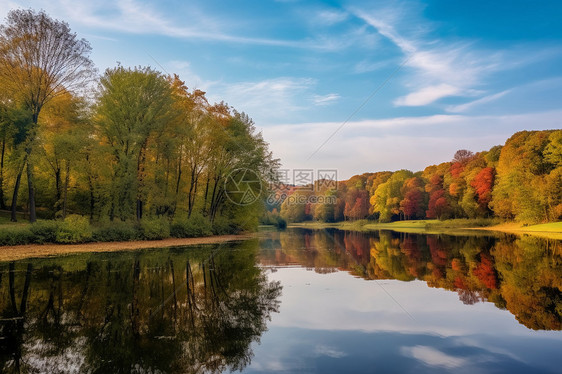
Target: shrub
x: 45, y: 231
x: 273, y: 219
x: 16, y: 236
x: 195, y: 226
x: 74, y: 229
x: 223, y: 226
x: 117, y: 231
x: 155, y: 228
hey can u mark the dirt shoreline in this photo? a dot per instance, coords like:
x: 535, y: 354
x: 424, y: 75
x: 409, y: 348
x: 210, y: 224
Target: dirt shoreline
x: 19, y: 252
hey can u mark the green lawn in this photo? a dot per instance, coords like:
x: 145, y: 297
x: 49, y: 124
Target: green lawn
x: 453, y: 226
x: 545, y: 227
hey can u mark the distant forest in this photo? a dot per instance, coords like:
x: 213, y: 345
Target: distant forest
x: 520, y: 181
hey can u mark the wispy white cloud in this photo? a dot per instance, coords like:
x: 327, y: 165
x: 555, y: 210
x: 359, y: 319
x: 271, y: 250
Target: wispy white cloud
x: 134, y: 17
x: 267, y: 99
x: 323, y: 100
x: 331, y: 17
x: 324, y: 350
x: 467, y: 106
x: 440, y: 69
x: 191, y: 79
x: 433, y: 357
x: 366, y: 66
x: 387, y: 30
x: 427, y: 95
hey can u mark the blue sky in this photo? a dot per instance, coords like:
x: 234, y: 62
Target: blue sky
x: 462, y: 74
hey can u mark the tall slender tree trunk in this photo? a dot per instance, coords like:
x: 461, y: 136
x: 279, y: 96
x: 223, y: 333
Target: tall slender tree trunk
x: 92, y: 197
x: 179, y: 173
x: 216, y: 197
x: 140, y: 179
x: 206, y: 192
x: 65, y: 190
x: 2, y: 202
x: 13, y: 216
x: 30, y: 180
x: 192, y: 190
x: 58, y: 188
x: 213, y: 196
x: 31, y: 189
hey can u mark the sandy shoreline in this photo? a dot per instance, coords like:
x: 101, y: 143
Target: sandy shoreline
x: 18, y: 252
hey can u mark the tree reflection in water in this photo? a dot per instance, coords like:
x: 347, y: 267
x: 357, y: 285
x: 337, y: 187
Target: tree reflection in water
x: 522, y: 275
x: 176, y: 310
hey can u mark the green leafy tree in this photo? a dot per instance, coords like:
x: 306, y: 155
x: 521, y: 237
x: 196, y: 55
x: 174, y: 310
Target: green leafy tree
x: 388, y: 195
x: 133, y: 106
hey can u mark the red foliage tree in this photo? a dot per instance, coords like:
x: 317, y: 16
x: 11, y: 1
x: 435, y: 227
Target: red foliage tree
x: 438, y: 205
x: 357, y: 204
x: 412, y: 204
x: 483, y: 184
x: 456, y: 169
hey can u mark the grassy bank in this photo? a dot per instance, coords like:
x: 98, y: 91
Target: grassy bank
x: 77, y: 229
x: 454, y: 226
x: 551, y: 230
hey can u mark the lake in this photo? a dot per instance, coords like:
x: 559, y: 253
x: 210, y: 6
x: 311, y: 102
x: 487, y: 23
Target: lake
x: 325, y: 301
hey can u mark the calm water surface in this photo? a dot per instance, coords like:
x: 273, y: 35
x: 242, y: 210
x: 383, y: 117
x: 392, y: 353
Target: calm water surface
x: 322, y: 301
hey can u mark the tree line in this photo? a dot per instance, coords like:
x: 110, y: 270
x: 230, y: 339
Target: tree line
x: 129, y: 144
x: 520, y: 181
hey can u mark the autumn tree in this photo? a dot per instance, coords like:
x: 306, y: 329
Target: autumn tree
x: 388, y: 195
x: 438, y: 205
x: 133, y: 105
x: 414, y: 203
x: 483, y: 183
x: 64, y: 133
x: 462, y: 156
x: 357, y: 204
x: 525, y: 177
x: 40, y: 58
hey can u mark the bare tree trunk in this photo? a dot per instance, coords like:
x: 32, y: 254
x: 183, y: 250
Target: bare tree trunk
x: 13, y: 217
x: 30, y: 180
x: 213, y: 197
x: 206, y: 192
x: 2, y: 202
x: 31, y: 188
x: 192, y: 190
x: 140, y: 179
x: 58, y: 187
x: 65, y: 190
x: 92, y: 197
x: 179, y: 172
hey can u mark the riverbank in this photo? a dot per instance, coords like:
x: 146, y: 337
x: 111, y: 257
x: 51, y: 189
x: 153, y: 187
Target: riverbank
x: 547, y: 230
x: 18, y: 252
x: 452, y: 227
